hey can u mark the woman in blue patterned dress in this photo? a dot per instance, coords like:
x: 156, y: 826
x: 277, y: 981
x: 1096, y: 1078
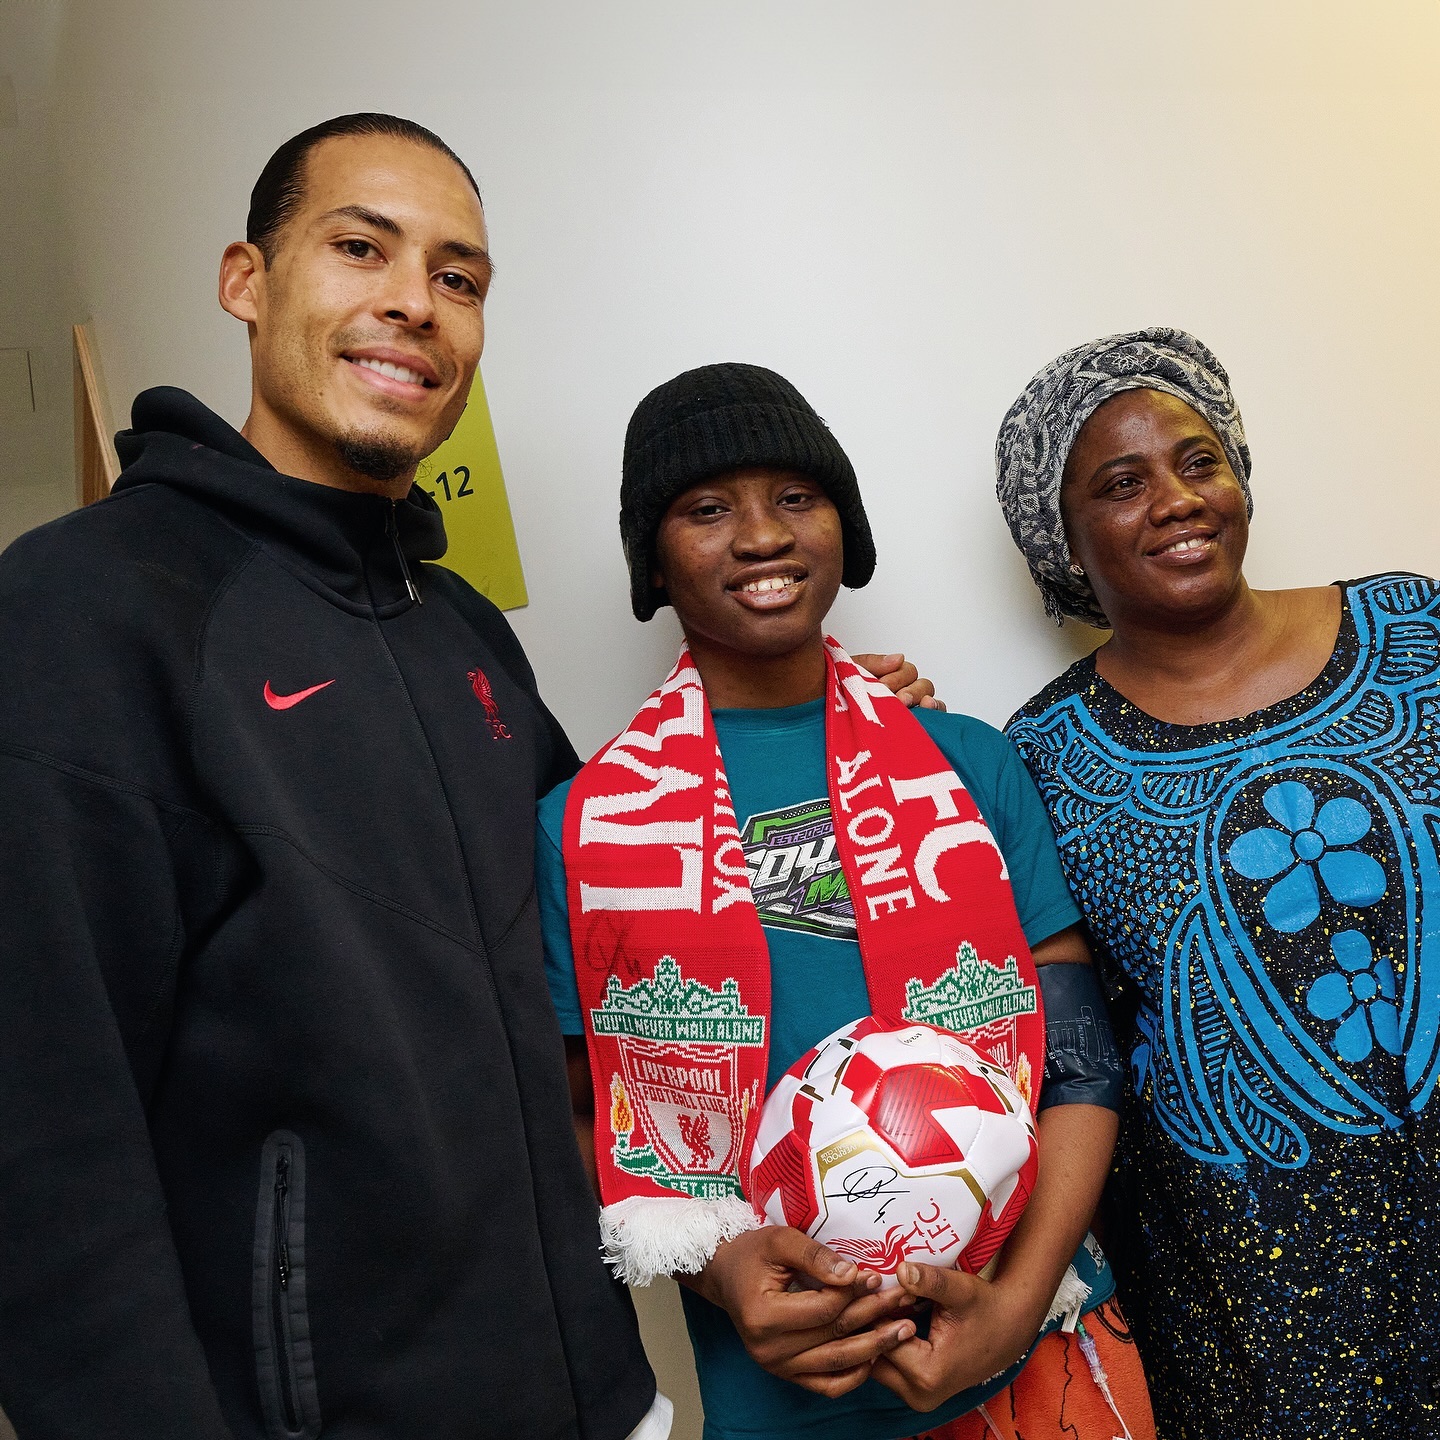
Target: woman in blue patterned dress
x: 1246, y: 790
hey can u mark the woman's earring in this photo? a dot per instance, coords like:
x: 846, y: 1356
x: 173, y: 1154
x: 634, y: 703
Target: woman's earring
x: 1076, y: 569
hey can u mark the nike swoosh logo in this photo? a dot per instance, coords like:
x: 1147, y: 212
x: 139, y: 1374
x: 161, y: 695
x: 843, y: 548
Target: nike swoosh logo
x: 284, y: 702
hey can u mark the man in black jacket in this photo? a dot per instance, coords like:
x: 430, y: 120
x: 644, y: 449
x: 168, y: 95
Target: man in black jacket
x: 286, y: 1138
x: 286, y: 1142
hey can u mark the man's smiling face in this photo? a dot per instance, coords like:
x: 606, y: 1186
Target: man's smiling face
x: 368, y: 322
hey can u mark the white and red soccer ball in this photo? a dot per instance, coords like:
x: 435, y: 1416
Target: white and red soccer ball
x: 891, y: 1142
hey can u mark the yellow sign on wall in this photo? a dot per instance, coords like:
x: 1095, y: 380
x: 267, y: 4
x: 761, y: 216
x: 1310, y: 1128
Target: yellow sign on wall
x: 464, y: 477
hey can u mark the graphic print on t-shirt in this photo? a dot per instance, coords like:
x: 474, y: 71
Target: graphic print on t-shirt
x: 795, y: 874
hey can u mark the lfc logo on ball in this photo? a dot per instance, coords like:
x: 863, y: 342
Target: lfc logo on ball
x: 891, y: 1141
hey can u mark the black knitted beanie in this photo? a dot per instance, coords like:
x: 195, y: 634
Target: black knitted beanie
x: 713, y: 420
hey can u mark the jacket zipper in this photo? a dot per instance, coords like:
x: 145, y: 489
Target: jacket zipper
x: 280, y: 1253
x: 392, y: 525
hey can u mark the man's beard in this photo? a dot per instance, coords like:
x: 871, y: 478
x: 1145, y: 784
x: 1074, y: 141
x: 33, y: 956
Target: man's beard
x: 377, y: 456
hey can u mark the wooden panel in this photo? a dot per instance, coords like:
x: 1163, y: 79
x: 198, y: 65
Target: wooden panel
x: 96, y: 464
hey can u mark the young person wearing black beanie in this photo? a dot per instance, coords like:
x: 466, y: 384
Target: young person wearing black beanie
x: 740, y: 509
x: 721, y: 418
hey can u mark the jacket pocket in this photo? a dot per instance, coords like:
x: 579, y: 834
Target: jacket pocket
x: 284, y: 1361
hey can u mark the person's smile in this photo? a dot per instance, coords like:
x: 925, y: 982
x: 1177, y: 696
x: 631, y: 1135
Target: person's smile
x: 398, y: 374
x: 769, y: 587
x: 1195, y: 545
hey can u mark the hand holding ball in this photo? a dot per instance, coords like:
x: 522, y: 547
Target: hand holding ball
x: 890, y: 1142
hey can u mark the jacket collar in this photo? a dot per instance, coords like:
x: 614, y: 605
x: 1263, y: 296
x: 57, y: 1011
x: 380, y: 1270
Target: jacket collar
x: 346, y: 546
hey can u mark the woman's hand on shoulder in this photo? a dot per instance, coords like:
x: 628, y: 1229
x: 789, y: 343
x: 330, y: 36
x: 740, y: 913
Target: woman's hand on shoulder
x: 826, y: 1334
x: 902, y: 679
x: 977, y: 1329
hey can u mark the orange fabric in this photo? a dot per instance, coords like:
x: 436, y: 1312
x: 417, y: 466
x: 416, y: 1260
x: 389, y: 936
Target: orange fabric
x: 1056, y: 1396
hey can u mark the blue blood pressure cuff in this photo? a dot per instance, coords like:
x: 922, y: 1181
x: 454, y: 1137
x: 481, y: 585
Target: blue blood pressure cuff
x: 1082, y: 1063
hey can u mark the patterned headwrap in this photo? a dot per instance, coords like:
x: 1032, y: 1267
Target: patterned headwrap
x: 1040, y: 428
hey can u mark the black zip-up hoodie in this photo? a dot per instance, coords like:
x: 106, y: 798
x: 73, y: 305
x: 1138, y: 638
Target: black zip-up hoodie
x: 285, y: 1137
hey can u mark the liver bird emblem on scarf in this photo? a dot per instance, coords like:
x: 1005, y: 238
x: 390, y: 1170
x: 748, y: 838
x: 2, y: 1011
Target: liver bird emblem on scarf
x: 695, y: 1132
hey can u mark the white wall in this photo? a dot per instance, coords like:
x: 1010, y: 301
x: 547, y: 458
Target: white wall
x: 37, y: 480
x: 905, y: 208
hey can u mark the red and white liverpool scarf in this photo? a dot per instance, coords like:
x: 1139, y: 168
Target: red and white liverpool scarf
x: 673, y: 969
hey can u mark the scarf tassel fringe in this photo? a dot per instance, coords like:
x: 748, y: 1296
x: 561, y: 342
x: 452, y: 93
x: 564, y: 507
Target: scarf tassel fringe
x: 646, y: 1236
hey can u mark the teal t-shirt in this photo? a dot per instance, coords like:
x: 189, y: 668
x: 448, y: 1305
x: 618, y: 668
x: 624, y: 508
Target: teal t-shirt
x: 775, y: 763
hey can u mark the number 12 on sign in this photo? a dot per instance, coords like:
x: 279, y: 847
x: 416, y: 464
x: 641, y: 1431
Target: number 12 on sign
x: 463, y: 477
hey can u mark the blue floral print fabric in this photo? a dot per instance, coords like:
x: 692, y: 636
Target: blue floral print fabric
x: 1309, y: 842
x: 1265, y: 893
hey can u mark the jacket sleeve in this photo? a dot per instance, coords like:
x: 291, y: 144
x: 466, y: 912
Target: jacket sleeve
x: 96, y: 1339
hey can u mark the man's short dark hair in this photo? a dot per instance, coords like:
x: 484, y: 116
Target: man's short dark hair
x: 281, y: 186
